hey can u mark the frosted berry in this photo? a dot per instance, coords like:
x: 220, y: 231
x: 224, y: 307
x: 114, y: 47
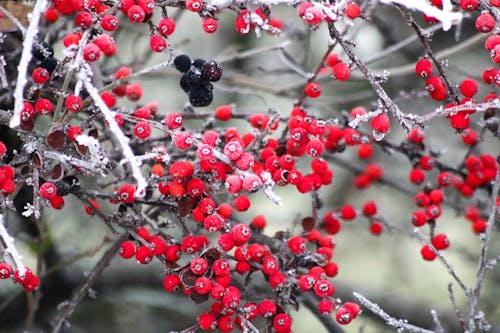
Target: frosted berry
x: 73, y: 103
x: 381, y: 123
x: 485, y: 23
x: 91, y: 52
x: 142, y: 130
x: 127, y: 193
x: 166, y: 27
x: 297, y: 244
x: 341, y: 71
x: 48, y: 190
x: 241, y: 234
x: 5, y: 270
x: 136, y: 14
x: 109, y: 22
x: 157, y: 43
x: 207, y: 321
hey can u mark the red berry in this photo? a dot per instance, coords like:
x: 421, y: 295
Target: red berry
x: 157, y: 43
x: 241, y: 203
x: 417, y: 176
x: 267, y: 308
x: 282, y: 323
x: 142, y: 130
x: 134, y: 92
x: 143, y: 255
x: 136, y: 14
x: 381, y: 123
x: 297, y: 244
x: 91, y: 52
x: 171, y: 282
x: 469, y: 5
x: 341, y: 71
x: 370, y: 209
x: 468, y: 87
x: 485, y: 23
x: 348, y: 212
x: 352, y: 10
x: 225, y: 324
x: 127, y: 193
x: 194, y: 5
x: 207, y: 321
x: 73, y: 103
x: 240, y: 234
x: 423, y: 67
x: 40, y: 75
x: 5, y: 270
x: 210, y: 25
x: 48, y: 190
x: 343, y: 316
x: 376, y: 227
x: 259, y: 222
x: 127, y: 249
x: 203, y: 285
x: 223, y: 112
x: 440, y: 242
x: 166, y: 26
x: 324, y: 288
x: 109, y: 22
x: 325, y: 307
x: 427, y: 253
x: 43, y: 106
x: 313, y: 89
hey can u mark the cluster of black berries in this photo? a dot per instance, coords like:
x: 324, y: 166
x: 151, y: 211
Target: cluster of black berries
x: 45, y: 54
x: 197, y: 78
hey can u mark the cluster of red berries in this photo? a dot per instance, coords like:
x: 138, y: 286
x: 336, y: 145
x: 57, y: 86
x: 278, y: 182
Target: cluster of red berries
x: 28, y: 280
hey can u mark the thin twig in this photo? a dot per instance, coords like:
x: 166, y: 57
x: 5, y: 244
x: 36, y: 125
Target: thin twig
x: 81, y: 291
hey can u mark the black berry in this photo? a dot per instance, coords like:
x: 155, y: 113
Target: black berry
x: 42, y: 50
x: 194, y: 79
x: 200, y: 96
x: 182, y: 63
x: 198, y: 63
x: 212, y: 71
x: 49, y: 64
x: 183, y: 83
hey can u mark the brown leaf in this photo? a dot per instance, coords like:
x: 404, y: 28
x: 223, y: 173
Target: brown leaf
x: 184, y: 206
x: 307, y: 223
x: 197, y: 298
x: 36, y: 158
x: 56, y: 139
x: 94, y: 133
x: 57, y: 173
x: 187, y: 277
x: 82, y: 149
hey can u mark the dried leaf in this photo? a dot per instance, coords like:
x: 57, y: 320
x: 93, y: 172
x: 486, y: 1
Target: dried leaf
x: 307, y: 223
x: 56, y: 139
x: 57, y: 173
x: 82, y: 149
x: 94, y: 133
x: 187, y: 277
x: 184, y: 206
x: 36, y: 158
x: 197, y: 298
